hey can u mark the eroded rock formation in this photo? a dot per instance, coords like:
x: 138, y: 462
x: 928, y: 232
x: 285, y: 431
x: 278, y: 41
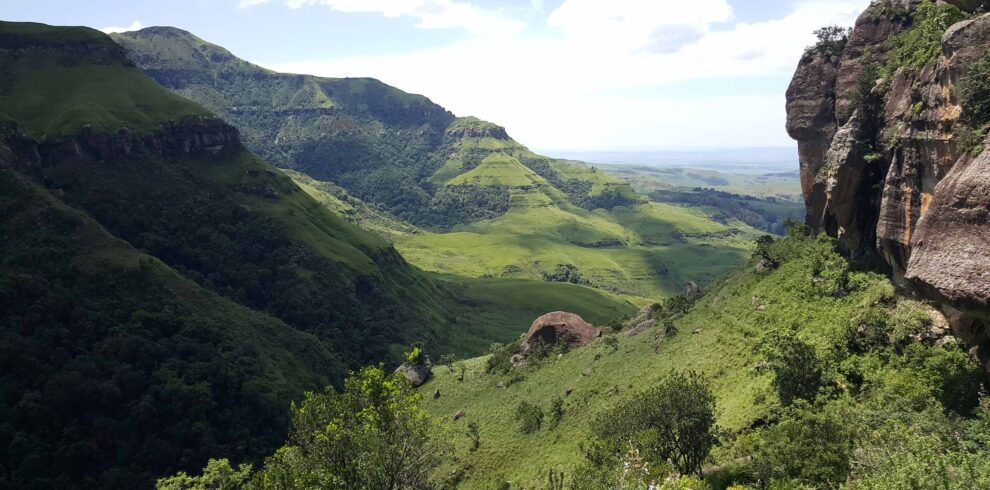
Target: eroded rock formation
x: 882, y: 166
x: 561, y: 326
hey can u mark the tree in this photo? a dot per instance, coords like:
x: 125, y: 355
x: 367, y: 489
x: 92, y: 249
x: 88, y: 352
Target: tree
x: 372, y: 435
x: 831, y: 41
x: 448, y: 360
x: 529, y: 416
x: 474, y: 433
x: 673, y: 423
x: 218, y: 475
x: 811, y: 445
x: 797, y: 369
x: 556, y: 410
x: 764, y: 250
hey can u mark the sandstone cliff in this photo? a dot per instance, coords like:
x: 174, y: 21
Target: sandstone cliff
x: 890, y: 164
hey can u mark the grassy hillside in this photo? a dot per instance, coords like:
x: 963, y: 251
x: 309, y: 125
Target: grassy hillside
x: 166, y: 292
x: 647, y: 179
x: 531, y: 224
x: 85, y: 84
x: 477, y: 203
x: 721, y: 337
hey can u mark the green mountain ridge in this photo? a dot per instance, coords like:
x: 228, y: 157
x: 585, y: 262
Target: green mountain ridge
x: 487, y: 206
x: 198, y: 288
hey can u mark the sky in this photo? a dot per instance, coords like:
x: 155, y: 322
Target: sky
x: 576, y: 75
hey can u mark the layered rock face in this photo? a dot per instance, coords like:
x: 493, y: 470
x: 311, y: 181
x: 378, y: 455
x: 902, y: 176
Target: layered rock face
x: 882, y: 166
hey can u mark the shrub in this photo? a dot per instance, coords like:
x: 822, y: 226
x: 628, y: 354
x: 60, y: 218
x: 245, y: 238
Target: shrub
x: 564, y: 273
x: 673, y: 422
x: 831, y: 41
x: 954, y: 378
x: 529, y: 416
x: 415, y: 356
x: 611, y: 342
x: 920, y: 44
x: 474, y: 433
x: 974, y: 96
x: 556, y: 410
x: 900, y: 456
x: 500, y: 361
x: 797, y: 369
x: 810, y: 446
x: 373, y: 434
x: 869, y: 330
x: 218, y: 475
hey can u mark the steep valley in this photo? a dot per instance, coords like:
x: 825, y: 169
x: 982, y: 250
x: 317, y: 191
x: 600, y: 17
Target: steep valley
x: 217, y: 276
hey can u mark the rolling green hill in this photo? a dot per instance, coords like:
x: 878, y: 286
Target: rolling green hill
x: 166, y: 293
x: 911, y: 381
x: 455, y: 195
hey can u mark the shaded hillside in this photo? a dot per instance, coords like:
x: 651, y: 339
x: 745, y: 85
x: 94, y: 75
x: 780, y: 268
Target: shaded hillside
x: 166, y: 293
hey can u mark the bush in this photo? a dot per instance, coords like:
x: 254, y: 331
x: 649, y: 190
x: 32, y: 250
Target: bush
x: 899, y: 456
x: 474, y: 433
x: 415, y: 356
x: 529, y: 416
x: 797, y: 369
x: 673, y: 422
x: 500, y: 361
x: 373, y: 434
x: 612, y: 342
x: 921, y: 44
x: 974, y: 96
x: 811, y: 446
x: 564, y: 273
x: 218, y: 475
x: 953, y: 376
x: 556, y: 410
x: 832, y: 41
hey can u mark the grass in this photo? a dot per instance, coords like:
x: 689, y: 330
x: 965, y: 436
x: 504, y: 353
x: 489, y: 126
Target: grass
x: 86, y: 84
x: 647, y: 179
x: 645, y: 251
x: 499, y: 169
x: 729, y: 322
x: 641, y: 252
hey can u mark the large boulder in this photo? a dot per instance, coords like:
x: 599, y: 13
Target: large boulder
x: 417, y: 373
x: 561, y: 326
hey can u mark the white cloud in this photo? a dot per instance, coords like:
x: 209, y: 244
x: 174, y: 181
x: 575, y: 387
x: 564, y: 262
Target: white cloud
x: 135, y: 26
x: 596, y: 77
x: 630, y: 24
x: 429, y: 14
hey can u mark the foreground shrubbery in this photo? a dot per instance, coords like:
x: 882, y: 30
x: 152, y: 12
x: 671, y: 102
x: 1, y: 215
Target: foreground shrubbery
x: 870, y: 401
x: 372, y: 435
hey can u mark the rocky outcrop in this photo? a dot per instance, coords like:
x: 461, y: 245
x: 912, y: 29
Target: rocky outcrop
x: 485, y: 131
x: 950, y: 256
x: 561, y: 326
x: 882, y: 169
x: 811, y: 121
x: 417, y: 373
x: 193, y: 136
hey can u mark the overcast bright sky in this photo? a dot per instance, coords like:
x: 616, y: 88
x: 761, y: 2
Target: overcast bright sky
x: 558, y: 74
